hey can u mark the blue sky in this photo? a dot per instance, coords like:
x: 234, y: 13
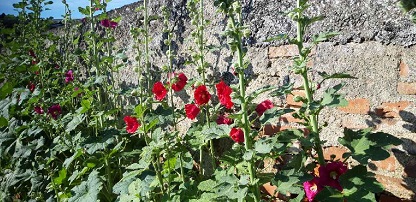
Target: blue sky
x: 58, y: 9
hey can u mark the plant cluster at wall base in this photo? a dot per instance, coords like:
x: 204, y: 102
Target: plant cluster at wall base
x: 68, y: 132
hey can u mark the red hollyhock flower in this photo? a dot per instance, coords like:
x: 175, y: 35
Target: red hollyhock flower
x: 191, y: 111
x: 31, y: 53
x: 263, y: 106
x: 329, y: 174
x: 31, y: 86
x: 237, y: 135
x: 223, y: 92
x: 108, y: 23
x: 180, y: 82
x: 201, y: 95
x: 224, y: 120
x: 38, y: 109
x: 312, y: 188
x: 55, y: 111
x: 132, y: 124
x: 69, y: 76
x: 159, y: 91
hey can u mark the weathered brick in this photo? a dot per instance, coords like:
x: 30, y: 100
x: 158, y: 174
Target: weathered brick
x: 404, y: 69
x: 391, y: 109
x: 406, y: 88
x: 357, y: 106
x: 354, y: 122
x: 388, y: 164
x: 271, y: 189
x: 286, y: 51
x: 291, y: 102
x: 270, y: 129
x: 395, y: 186
x: 283, y: 51
x: 337, y: 151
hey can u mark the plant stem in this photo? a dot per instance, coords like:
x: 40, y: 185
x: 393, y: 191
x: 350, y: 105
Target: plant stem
x: 313, y: 117
x: 247, y: 133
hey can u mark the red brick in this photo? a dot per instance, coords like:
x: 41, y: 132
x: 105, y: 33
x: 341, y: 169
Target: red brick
x: 288, y: 118
x: 337, y: 151
x: 283, y: 51
x: 357, y: 106
x: 291, y: 102
x: 410, y: 169
x: 406, y: 88
x: 270, y: 190
x: 404, y: 69
x: 355, y: 122
x: 395, y: 186
x: 388, y: 164
x: 391, y: 109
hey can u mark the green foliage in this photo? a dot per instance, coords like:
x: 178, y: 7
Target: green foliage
x: 365, y: 145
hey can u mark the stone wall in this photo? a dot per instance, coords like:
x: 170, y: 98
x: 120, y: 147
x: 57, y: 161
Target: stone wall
x: 376, y: 45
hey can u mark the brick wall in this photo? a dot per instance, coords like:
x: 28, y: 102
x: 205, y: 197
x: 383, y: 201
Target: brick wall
x: 378, y: 49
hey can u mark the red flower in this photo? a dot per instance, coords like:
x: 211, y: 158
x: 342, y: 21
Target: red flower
x: 31, y: 86
x: 237, y: 135
x: 180, y: 82
x: 31, y: 53
x: 108, y: 23
x: 223, y: 93
x: 132, y: 124
x: 38, y: 109
x: 159, y: 91
x: 55, y: 111
x: 69, y: 76
x: 312, y: 188
x: 224, y: 120
x: 329, y: 174
x: 263, y: 106
x: 201, y: 95
x: 191, y: 111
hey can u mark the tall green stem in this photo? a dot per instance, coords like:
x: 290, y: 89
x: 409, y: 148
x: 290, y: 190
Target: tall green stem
x: 313, y: 117
x: 247, y: 132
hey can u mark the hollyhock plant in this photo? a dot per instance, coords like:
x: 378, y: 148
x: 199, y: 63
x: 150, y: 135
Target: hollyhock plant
x: 55, y: 111
x: 69, y: 76
x: 312, y: 188
x: 237, y: 135
x: 329, y: 174
x: 159, y: 91
x: 180, y: 82
x: 38, y: 109
x: 191, y: 111
x: 222, y: 119
x: 263, y: 106
x: 201, y: 95
x: 132, y: 124
x: 108, y: 23
x: 223, y: 93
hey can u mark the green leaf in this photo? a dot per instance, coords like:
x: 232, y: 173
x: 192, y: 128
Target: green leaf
x: 329, y: 194
x: 326, y: 76
x: 207, y: 185
x: 264, y: 145
x: 69, y: 160
x: 6, y: 89
x: 407, y: 5
x: 271, y: 116
x: 331, y: 98
x: 87, y: 190
x: 62, y: 176
x: 76, y: 120
x: 283, y: 90
x: 277, y: 38
x: 323, y: 37
x: 3, y: 122
x: 257, y: 92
